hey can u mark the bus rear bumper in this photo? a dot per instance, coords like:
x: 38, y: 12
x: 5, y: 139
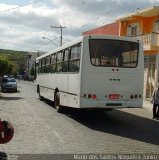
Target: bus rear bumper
x: 87, y: 103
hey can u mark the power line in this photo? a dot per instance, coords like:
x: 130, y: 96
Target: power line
x: 61, y: 28
x: 50, y: 41
x: 41, y: 46
x: 20, y: 6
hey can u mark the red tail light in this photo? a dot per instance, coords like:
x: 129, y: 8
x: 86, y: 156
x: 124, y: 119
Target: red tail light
x: 94, y: 96
x: 114, y: 96
x: 90, y: 96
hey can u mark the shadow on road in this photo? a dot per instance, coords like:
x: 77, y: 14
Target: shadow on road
x: 120, y: 123
x: 10, y: 92
x: 117, y: 122
x: 10, y: 98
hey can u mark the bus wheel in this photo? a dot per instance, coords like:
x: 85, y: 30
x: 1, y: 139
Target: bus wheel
x: 58, y: 107
x: 38, y: 89
x: 41, y: 97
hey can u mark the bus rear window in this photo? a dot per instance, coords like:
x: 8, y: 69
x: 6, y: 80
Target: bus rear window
x: 113, y: 53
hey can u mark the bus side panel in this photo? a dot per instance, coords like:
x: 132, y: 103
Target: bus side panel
x: 49, y: 81
x: 85, y: 73
x: 61, y: 85
x: 73, y: 90
x: 141, y: 72
x: 47, y: 85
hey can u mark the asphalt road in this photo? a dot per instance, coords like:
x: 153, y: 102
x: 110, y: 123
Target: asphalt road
x: 39, y: 129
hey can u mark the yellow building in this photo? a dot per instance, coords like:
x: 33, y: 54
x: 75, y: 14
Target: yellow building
x: 144, y: 25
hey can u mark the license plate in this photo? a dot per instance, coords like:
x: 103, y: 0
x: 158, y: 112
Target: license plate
x: 114, y: 96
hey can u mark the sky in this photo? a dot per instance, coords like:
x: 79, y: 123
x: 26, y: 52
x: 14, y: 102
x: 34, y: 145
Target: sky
x: 23, y: 23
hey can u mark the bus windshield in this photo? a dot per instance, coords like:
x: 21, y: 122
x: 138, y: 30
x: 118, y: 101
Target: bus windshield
x: 113, y: 53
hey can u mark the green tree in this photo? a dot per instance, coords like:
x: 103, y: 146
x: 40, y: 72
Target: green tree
x: 11, y: 68
x: 32, y: 71
x: 18, y: 59
x: 5, y: 65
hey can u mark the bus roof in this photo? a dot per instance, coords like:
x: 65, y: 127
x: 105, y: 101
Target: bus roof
x: 80, y: 39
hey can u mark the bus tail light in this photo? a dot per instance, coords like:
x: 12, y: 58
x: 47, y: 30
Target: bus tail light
x: 135, y: 96
x: 131, y: 97
x: 114, y: 96
x: 90, y: 96
x: 94, y: 96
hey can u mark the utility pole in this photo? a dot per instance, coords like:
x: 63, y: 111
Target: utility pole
x: 61, y: 29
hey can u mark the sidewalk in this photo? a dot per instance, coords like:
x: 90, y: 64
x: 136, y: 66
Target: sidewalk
x: 147, y: 104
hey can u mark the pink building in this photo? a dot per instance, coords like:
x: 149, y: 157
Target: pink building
x: 108, y: 29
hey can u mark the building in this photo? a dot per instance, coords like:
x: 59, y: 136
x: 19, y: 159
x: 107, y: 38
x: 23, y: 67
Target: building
x: 108, y: 29
x: 30, y: 62
x: 142, y: 25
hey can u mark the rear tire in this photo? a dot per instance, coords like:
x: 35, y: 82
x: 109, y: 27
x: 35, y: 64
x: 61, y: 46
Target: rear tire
x: 37, y: 89
x: 40, y: 97
x: 58, y: 107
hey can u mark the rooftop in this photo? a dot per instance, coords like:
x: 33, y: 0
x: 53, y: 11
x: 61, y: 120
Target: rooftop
x: 147, y: 12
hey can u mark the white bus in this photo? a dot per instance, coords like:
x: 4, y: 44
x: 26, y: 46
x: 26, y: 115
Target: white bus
x: 96, y: 71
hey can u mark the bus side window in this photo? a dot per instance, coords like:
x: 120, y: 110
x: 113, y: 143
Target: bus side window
x: 65, y: 61
x: 39, y: 66
x: 53, y: 64
x: 42, y: 66
x: 74, y: 62
x: 59, y: 61
x: 36, y: 68
x: 47, y: 66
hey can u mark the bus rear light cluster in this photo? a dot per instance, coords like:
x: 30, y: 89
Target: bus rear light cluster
x: 135, y: 96
x: 90, y: 96
x: 114, y: 96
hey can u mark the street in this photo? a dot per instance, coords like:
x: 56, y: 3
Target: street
x: 39, y: 129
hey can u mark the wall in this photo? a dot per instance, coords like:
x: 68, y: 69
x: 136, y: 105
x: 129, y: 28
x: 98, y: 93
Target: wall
x: 109, y: 29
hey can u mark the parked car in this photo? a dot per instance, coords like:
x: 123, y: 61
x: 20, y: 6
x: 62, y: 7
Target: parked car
x: 9, y: 84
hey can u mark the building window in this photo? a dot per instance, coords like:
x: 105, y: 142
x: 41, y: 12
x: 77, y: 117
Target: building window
x: 134, y: 30
x: 150, y: 58
x: 156, y: 26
